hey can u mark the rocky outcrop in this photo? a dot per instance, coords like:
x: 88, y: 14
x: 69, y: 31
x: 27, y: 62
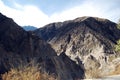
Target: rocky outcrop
x: 89, y: 39
x: 18, y: 47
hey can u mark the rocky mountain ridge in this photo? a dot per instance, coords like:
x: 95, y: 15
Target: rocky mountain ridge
x: 18, y: 47
x: 89, y: 39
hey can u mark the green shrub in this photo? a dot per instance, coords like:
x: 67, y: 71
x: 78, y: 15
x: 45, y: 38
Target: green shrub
x: 117, y: 47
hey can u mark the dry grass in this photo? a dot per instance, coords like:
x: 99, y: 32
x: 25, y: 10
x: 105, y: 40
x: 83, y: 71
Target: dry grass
x: 97, y: 73
x: 30, y: 72
x: 93, y: 74
x: 116, y: 71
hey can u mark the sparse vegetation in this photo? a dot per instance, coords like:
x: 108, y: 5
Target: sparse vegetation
x: 93, y: 74
x: 118, y: 26
x: 117, y: 47
x: 31, y: 72
x: 116, y: 71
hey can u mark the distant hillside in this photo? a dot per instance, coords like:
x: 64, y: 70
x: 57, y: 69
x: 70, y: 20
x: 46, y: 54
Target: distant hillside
x: 29, y: 28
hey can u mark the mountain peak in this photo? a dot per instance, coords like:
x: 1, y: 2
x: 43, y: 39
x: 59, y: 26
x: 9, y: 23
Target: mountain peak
x: 2, y: 17
x: 89, y: 18
x: 29, y: 28
x: 8, y: 24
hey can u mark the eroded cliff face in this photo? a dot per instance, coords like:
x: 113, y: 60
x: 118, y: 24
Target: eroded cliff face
x: 18, y: 47
x: 89, y: 39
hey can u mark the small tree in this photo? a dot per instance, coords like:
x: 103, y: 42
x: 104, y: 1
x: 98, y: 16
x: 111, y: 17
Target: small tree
x: 118, y: 24
x: 117, y: 47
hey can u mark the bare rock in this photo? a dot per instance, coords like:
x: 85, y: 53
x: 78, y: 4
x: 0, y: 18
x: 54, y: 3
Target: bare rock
x: 89, y: 39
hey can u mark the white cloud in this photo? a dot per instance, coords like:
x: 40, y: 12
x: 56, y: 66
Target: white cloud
x: 78, y: 11
x: 96, y: 8
x: 25, y: 15
x: 31, y: 15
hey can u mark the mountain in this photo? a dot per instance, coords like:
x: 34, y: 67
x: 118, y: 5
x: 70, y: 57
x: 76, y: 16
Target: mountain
x: 19, y: 47
x: 29, y: 28
x: 89, y: 39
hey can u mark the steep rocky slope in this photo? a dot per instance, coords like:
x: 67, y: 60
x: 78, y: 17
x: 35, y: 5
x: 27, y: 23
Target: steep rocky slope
x: 89, y: 39
x: 18, y: 47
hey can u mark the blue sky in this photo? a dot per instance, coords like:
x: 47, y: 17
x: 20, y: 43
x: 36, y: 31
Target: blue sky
x: 47, y: 6
x: 41, y: 12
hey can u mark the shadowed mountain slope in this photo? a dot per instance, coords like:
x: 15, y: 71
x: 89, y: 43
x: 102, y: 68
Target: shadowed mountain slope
x: 18, y: 47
